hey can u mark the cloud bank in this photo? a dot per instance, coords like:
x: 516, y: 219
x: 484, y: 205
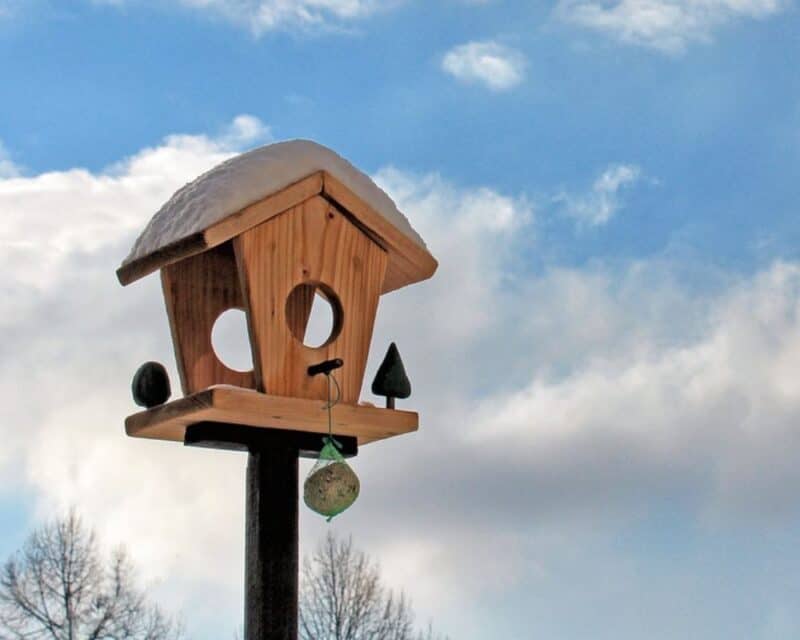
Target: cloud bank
x: 554, y: 403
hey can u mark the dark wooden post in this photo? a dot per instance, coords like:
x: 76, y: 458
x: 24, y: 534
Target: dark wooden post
x: 271, y: 551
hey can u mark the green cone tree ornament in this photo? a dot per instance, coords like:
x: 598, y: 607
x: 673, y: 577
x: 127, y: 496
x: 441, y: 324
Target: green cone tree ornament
x: 391, y: 380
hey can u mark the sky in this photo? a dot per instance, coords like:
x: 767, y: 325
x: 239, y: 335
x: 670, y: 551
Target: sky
x: 605, y: 364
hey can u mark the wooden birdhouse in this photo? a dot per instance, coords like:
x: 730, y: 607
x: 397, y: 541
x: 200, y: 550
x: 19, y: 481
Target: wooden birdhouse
x: 266, y: 232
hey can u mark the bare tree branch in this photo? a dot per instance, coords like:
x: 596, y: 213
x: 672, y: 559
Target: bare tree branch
x: 342, y: 598
x: 57, y: 587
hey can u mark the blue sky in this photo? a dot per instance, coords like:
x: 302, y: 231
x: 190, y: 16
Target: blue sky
x: 715, y: 122
x: 606, y: 363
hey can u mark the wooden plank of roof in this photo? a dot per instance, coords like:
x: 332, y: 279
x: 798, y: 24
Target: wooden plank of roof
x: 183, y: 248
x: 409, y: 262
x: 261, y: 211
x: 223, y: 230
x: 234, y: 405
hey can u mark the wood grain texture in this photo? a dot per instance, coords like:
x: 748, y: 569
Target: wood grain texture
x: 408, y: 261
x: 271, y: 543
x: 196, y: 291
x: 311, y: 244
x: 251, y: 408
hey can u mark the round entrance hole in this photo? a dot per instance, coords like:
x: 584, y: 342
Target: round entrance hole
x: 231, y: 341
x: 314, y: 314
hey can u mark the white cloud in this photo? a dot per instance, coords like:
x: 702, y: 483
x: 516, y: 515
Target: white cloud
x: 245, y: 130
x: 63, y: 235
x: 665, y: 25
x: 261, y: 16
x: 488, y: 63
x: 572, y: 395
x: 603, y: 200
x: 718, y: 411
x: 7, y: 168
x: 547, y: 399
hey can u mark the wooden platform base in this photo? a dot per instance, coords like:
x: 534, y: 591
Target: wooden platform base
x: 235, y: 437
x: 234, y: 405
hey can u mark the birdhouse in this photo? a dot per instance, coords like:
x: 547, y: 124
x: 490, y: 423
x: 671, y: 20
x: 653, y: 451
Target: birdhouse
x: 266, y: 232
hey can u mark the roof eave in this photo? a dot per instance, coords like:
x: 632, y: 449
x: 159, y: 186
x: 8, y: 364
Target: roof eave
x: 409, y: 262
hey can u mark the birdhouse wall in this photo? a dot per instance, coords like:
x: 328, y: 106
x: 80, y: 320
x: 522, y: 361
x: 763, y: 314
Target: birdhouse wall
x: 196, y: 291
x: 312, y: 247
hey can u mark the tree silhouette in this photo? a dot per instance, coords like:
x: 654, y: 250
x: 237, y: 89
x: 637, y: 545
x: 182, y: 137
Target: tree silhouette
x: 342, y: 598
x: 58, y: 587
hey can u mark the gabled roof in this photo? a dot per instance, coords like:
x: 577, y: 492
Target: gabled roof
x: 255, y: 186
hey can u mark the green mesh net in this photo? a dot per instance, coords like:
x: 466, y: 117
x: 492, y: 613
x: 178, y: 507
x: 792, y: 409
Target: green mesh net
x: 331, y: 486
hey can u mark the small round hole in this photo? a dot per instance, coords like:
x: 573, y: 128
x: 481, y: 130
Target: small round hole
x: 314, y: 314
x: 231, y: 341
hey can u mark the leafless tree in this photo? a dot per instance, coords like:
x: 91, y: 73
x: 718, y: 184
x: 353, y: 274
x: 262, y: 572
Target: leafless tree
x: 342, y: 598
x: 58, y: 587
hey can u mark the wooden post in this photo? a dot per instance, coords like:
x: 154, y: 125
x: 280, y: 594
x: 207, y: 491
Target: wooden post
x: 271, y: 544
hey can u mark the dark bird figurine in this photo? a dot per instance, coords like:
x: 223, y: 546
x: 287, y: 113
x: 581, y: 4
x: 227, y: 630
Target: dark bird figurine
x: 150, y: 385
x: 391, y: 380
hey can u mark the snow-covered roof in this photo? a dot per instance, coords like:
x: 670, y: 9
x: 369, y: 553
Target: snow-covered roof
x: 250, y: 177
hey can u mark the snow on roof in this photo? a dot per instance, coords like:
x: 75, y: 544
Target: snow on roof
x: 250, y: 177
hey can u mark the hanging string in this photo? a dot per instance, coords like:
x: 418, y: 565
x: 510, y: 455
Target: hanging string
x: 334, y: 490
x: 329, y: 406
